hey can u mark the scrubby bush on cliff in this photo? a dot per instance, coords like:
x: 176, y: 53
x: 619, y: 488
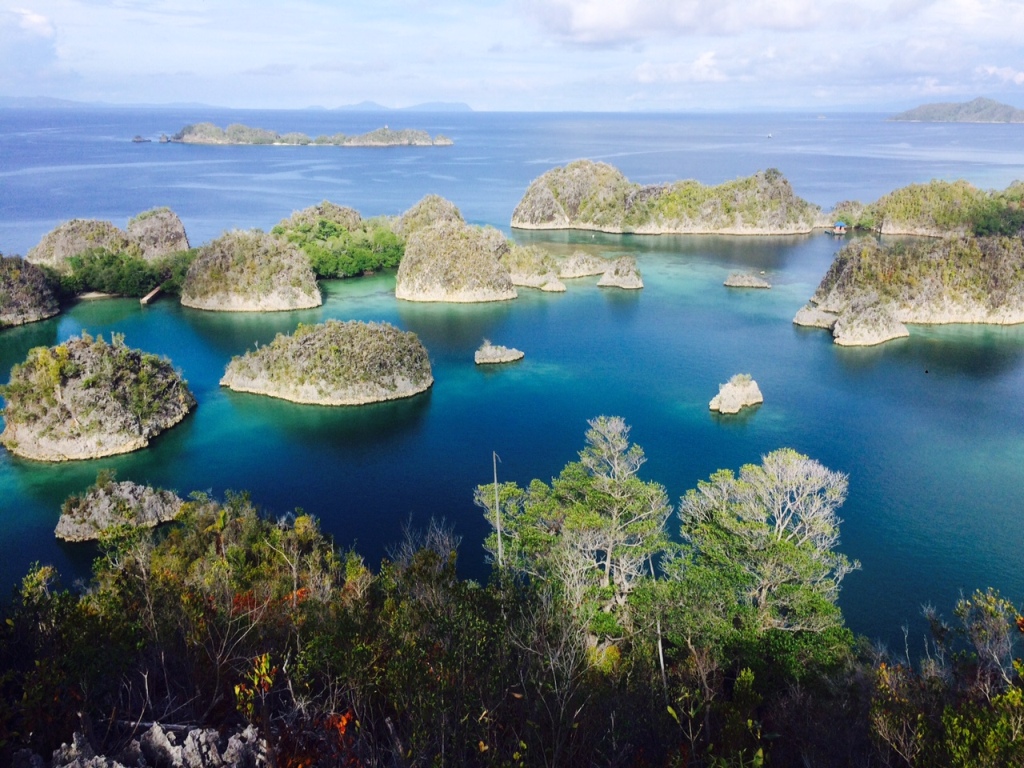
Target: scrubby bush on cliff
x: 86, y: 398
x: 25, y: 294
x: 339, y: 242
x: 250, y: 271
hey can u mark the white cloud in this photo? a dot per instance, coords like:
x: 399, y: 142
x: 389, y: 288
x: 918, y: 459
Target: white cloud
x: 703, y: 69
x: 33, y: 23
x: 1004, y: 74
x: 624, y: 21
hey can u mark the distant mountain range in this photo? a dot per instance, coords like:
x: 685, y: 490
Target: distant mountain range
x: 979, y: 110
x: 47, y: 102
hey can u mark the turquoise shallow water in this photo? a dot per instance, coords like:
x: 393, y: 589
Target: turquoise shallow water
x: 929, y: 428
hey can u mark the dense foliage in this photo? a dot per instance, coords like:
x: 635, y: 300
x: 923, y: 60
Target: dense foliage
x: 596, y: 642
x: 340, y: 243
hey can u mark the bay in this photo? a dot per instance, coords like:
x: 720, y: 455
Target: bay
x: 929, y: 428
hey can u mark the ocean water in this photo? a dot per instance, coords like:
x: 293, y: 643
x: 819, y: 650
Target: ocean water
x: 930, y: 429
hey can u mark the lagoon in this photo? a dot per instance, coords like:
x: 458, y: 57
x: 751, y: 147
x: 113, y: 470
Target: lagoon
x: 930, y: 429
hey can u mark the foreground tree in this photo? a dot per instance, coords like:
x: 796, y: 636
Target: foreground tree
x: 594, y: 531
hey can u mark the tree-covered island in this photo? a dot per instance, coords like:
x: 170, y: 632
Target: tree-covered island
x: 979, y: 110
x: 236, y: 133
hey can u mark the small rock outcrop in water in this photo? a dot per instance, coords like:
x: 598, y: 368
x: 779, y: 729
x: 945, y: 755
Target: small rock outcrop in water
x: 871, y: 290
x: 109, y: 504
x: 739, y: 392
x: 335, y: 363
x: 493, y: 353
x: 160, y: 747
x: 623, y: 273
x: 24, y: 294
x: 77, y: 236
x: 158, y: 232
x: 532, y: 267
x: 745, y: 280
x: 84, y: 399
x: 581, y: 264
x: 452, y: 261
x: 596, y: 196
x: 250, y: 272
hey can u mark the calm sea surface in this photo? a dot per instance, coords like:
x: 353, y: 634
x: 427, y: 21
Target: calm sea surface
x: 930, y: 429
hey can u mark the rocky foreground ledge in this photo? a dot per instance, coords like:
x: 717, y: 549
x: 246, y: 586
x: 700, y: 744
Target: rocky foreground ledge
x: 85, y: 399
x: 335, y: 363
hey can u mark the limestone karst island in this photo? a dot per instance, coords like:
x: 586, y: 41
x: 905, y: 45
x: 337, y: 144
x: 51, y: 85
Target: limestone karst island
x: 335, y: 363
x: 85, y: 398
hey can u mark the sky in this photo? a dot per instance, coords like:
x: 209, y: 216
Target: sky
x: 517, y: 55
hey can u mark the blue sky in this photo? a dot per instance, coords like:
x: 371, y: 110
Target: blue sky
x: 588, y: 55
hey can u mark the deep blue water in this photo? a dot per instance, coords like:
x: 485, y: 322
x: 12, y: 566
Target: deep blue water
x: 930, y: 429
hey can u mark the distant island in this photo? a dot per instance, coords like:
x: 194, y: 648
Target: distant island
x: 236, y: 133
x: 980, y: 110
x: 596, y: 196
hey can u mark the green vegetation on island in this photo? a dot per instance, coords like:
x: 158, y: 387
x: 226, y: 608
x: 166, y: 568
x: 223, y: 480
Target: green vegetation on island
x: 25, y: 293
x: 591, y: 195
x: 335, y: 363
x: 979, y: 110
x: 86, y: 398
x: 339, y: 242
x: 250, y: 271
x: 600, y: 638
x: 236, y: 133
x: 939, y: 208
x: 871, y: 289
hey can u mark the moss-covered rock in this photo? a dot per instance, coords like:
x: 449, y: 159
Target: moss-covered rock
x: 589, y: 195
x: 343, y: 216
x: 25, y: 295
x: 250, y: 271
x: 78, y: 236
x: 335, y: 363
x: 158, y: 232
x: 430, y: 210
x: 85, y: 398
x: 451, y: 261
